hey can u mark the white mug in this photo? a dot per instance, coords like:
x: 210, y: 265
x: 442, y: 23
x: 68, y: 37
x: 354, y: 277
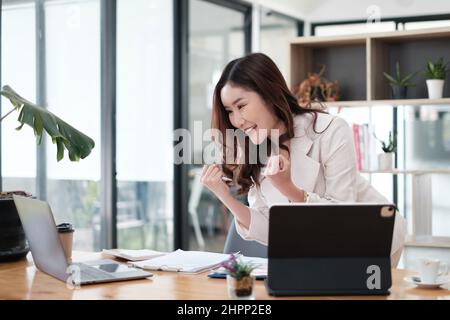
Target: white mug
x: 429, y: 270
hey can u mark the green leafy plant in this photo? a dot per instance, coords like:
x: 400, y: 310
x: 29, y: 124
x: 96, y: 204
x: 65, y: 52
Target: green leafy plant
x: 238, y: 269
x: 63, y: 135
x: 398, y: 80
x: 436, y: 70
x: 390, y: 145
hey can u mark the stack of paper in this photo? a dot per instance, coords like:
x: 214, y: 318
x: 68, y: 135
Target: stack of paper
x: 133, y: 255
x: 184, y: 261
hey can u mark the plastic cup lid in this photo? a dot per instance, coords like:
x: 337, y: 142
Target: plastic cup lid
x: 65, y: 227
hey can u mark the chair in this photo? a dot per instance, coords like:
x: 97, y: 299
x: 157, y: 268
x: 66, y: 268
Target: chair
x: 235, y: 242
x: 194, y: 201
x: 130, y: 215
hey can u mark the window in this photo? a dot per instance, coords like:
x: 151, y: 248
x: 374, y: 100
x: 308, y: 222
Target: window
x: 353, y: 28
x: 19, y: 72
x: 72, y: 79
x: 426, y: 24
x: 211, y: 47
x: 73, y: 93
x: 145, y: 124
x: 426, y: 146
x: 389, y: 24
x: 276, y: 32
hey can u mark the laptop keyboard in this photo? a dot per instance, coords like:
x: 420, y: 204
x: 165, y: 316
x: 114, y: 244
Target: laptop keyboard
x: 89, y: 273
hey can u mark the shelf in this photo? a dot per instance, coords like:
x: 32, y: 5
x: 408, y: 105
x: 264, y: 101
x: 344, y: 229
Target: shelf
x: 336, y: 56
x: 427, y: 242
x: 358, y: 63
x: 370, y: 103
x: 412, y: 172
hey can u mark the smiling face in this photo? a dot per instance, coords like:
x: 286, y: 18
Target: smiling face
x: 248, y: 111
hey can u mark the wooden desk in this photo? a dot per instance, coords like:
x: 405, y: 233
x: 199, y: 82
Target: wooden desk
x: 21, y: 280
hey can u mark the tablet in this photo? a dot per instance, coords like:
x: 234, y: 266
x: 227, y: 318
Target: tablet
x: 330, y: 249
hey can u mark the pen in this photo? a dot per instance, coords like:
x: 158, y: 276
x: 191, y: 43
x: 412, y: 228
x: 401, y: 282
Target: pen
x: 223, y: 178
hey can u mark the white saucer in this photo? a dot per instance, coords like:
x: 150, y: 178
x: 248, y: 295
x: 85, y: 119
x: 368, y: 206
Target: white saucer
x: 416, y: 281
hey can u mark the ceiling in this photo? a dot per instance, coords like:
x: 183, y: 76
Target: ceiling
x: 304, y: 7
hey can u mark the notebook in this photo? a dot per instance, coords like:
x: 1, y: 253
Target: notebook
x: 183, y: 261
x: 260, y: 272
x: 133, y: 255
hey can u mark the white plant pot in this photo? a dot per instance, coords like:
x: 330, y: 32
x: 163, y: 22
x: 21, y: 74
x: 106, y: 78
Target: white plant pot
x: 435, y: 88
x: 385, y: 161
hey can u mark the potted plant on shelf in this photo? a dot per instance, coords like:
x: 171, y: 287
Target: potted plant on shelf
x: 316, y: 88
x: 386, y: 159
x: 398, y: 84
x: 435, y: 74
x: 13, y: 244
x: 240, y: 281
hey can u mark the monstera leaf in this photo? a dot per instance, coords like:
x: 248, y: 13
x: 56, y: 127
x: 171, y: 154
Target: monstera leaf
x: 64, y: 135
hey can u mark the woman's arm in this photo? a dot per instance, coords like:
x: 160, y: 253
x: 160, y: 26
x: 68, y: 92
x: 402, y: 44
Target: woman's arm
x: 251, y: 222
x: 240, y: 211
x: 294, y: 193
x: 212, y: 179
x: 278, y: 171
x: 337, y: 157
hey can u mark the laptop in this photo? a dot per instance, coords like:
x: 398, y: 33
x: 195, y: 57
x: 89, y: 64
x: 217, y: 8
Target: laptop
x: 330, y: 249
x: 48, y: 253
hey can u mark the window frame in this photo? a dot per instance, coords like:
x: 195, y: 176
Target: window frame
x: 299, y: 22
x: 397, y: 20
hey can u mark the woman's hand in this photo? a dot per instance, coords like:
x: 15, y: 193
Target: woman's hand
x: 212, y: 179
x: 278, y: 171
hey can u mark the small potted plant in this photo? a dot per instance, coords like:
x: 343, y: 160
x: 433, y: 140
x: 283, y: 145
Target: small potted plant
x: 398, y: 84
x: 240, y: 281
x: 435, y: 74
x: 386, y: 159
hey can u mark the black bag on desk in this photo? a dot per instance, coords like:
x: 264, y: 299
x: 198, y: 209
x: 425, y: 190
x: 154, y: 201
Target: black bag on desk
x: 330, y: 249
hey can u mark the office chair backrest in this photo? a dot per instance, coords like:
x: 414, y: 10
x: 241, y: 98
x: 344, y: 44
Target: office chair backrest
x: 235, y: 242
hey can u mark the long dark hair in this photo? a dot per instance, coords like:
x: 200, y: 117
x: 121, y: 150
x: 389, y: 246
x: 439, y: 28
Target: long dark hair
x: 258, y: 73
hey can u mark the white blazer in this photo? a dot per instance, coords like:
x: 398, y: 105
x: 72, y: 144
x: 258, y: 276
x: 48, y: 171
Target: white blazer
x: 324, y: 165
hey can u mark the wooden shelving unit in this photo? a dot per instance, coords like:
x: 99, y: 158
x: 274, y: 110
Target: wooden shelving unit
x: 411, y: 172
x: 427, y: 241
x: 358, y: 63
x: 387, y: 102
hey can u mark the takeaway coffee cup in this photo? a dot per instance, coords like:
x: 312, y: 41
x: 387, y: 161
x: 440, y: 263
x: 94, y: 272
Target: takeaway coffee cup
x: 65, y: 231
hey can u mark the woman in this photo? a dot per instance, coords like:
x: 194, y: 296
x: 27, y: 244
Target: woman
x: 316, y: 160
